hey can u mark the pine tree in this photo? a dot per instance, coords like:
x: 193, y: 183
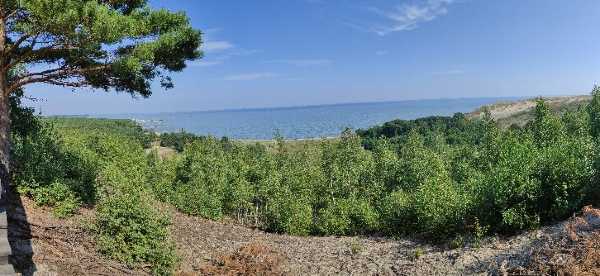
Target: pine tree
x: 114, y: 45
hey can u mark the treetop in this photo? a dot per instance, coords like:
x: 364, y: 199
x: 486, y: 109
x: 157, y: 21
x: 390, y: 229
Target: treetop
x: 120, y: 44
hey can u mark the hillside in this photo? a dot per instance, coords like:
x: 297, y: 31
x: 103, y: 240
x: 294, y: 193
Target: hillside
x: 418, y: 205
x: 65, y: 247
x: 520, y: 112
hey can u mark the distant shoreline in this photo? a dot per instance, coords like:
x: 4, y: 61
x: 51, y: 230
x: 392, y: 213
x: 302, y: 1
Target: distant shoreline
x: 293, y: 107
x: 499, y: 107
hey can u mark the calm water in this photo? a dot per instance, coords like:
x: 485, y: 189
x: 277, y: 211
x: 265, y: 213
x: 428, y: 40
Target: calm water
x: 301, y: 122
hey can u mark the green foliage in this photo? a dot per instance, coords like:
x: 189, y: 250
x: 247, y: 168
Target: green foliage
x: 286, y: 214
x: 418, y: 252
x: 355, y: 247
x: 546, y: 127
x: 122, y: 45
x: 437, y: 179
x: 129, y: 226
x: 178, y: 140
x: 58, y: 195
x: 131, y: 230
x: 347, y: 217
x: 202, y: 180
x: 452, y: 130
x: 126, y: 128
x: 593, y: 110
x: 111, y: 45
x: 98, y: 165
x: 434, y: 178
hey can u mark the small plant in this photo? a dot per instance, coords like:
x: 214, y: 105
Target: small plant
x: 418, y: 252
x: 355, y: 247
x: 457, y: 242
x: 66, y: 208
x: 479, y: 232
x: 57, y: 195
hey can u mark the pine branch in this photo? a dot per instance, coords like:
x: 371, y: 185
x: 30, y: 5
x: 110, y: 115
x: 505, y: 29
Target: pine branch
x: 56, y: 75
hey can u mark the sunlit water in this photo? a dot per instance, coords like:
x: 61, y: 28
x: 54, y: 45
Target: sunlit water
x: 300, y: 122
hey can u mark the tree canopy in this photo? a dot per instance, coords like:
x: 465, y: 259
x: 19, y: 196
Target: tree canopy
x: 119, y: 44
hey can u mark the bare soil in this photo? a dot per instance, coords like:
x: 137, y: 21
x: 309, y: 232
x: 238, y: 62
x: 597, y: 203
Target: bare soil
x: 45, y: 245
x: 50, y: 246
x: 203, y: 243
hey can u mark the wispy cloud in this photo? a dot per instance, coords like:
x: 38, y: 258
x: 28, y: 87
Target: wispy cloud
x: 302, y: 62
x: 218, y: 51
x: 212, y: 46
x: 250, y: 76
x: 206, y: 63
x: 381, y: 53
x: 408, y: 17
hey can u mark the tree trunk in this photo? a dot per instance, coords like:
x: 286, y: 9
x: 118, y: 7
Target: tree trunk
x: 4, y: 116
x: 4, y: 144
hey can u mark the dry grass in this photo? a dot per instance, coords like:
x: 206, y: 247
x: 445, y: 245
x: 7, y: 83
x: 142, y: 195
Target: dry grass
x: 576, y: 253
x: 252, y: 259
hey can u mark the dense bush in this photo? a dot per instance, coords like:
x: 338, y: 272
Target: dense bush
x: 434, y: 178
x: 453, y: 130
x: 131, y: 230
x: 120, y: 127
x: 62, y: 164
x: 129, y: 225
x: 178, y: 140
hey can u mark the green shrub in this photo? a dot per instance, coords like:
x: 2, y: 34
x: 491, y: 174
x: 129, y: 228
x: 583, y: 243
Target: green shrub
x: 349, y: 170
x: 288, y: 214
x: 128, y: 129
x: 239, y: 191
x: 334, y: 219
x: 162, y: 174
x: 436, y: 178
x: 509, y: 190
x: 202, y: 180
x: 440, y: 209
x: 347, y: 217
x: 130, y: 227
x: 57, y: 195
x: 178, y: 140
x: 564, y: 170
x: 131, y: 230
x: 397, y: 213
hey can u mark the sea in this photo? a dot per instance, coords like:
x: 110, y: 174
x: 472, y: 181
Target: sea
x: 304, y: 122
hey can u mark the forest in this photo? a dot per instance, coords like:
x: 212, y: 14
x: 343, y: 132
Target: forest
x: 438, y: 179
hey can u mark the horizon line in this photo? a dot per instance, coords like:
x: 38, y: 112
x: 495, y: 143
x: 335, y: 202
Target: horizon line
x: 307, y: 106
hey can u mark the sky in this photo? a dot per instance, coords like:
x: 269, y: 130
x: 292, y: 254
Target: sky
x: 273, y: 53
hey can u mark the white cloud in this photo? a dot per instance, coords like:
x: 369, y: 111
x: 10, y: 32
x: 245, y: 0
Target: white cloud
x: 303, y: 62
x: 381, y: 52
x: 218, y: 51
x: 212, y: 46
x: 250, y: 76
x: 407, y: 17
x: 206, y: 63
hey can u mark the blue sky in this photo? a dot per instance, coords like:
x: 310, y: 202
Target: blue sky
x: 303, y: 52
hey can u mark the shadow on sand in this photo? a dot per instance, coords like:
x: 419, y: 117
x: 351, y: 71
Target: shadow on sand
x: 19, y: 235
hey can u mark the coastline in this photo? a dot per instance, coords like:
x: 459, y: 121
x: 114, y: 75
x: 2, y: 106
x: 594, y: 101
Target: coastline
x: 504, y: 111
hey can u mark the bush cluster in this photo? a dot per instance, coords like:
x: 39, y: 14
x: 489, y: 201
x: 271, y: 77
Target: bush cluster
x: 435, y: 177
x: 178, y: 140
x: 62, y: 164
